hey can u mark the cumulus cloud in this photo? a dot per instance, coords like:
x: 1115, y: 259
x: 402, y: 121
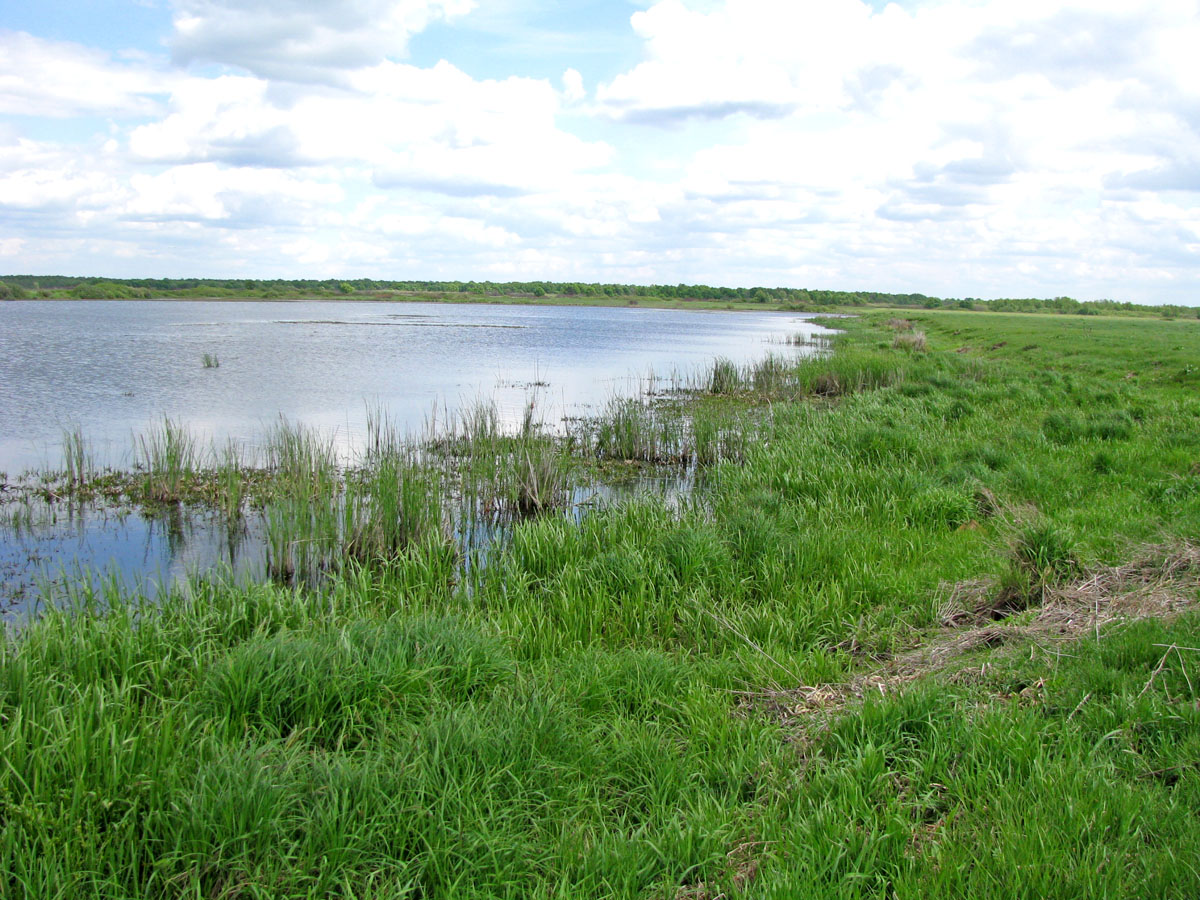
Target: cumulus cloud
x: 573, y: 89
x: 433, y: 129
x: 240, y: 197
x: 59, y: 79
x: 980, y: 148
x: 49, y: 181
x: 957, y: 134
x: 302, y: 40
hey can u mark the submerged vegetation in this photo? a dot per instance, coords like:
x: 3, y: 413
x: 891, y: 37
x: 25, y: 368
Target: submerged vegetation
x: 928, y: 629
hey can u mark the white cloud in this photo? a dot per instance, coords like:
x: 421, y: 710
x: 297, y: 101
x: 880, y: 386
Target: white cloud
x: 977, y: 148
x: 431, y: 129
x: 302, y: 40
x: 243, y: 197
x: 60, y: 79
x: 573, y: 89
x: 40, y: 178
x: 954, y: 134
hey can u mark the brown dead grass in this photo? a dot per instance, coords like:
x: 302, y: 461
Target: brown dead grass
x: 913, y: 340
x: 1162, y: 583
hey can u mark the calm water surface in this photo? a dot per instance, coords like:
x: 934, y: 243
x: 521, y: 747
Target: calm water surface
x: 116, y: 368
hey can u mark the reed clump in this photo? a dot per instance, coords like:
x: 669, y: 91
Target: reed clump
x: 723, y: 377
x: 231, y: 482
x: 168, y: 457
x: 539, y: 478
x: 914, y: 341
x: 78, y: 463
x: 388, y: 508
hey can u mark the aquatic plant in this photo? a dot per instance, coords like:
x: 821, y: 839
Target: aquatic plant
x: 168, y: 457
x: 78, y: 464
x: 389, y: 507
x: 723, y: 377
x: 538, y: 478
x: 231, y: 474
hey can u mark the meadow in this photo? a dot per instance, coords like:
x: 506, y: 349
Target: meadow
x: 926, y: 627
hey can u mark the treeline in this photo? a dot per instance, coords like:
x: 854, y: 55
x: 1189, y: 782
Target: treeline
x: 18, y: 287
x: 138, y: 288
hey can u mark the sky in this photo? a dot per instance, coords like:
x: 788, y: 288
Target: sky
x: 959, y: 148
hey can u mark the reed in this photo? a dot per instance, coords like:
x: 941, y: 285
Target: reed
x: 771, y: 376
x: 168, y: 457
x: 390, y: 507
x: 634, y: 430
x: 303, y: 461
x: 914, y: 341
x: 724, y: 377
x: 383, y: 437
x: 538, y: 478
x: 230, y: 478
x: 78, y: 463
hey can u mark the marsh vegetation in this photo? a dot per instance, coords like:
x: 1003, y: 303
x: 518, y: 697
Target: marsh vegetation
x: 928, y: 629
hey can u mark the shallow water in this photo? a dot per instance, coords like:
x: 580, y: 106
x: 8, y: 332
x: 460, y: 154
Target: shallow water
x: 115, y: 369
x: 66, y: 546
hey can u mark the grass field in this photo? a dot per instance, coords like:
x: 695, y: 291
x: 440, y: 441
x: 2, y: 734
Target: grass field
x: 930, y: 629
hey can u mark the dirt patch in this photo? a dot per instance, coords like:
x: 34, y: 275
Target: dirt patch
x: 1163, y: 583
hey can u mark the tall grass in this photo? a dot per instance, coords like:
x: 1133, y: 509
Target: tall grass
x: 539, y: 478
x: 389, y: 507
x: 723, y: 377
x: 168, y: 457
x: 231, y: 468
x: 78, y: 463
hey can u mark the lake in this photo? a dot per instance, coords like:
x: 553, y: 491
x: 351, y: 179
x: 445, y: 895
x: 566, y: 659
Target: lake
x: 115, y: 369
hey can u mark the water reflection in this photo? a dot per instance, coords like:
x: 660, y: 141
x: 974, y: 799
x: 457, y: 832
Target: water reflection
x: 51, y: 550
x: 113, y: 368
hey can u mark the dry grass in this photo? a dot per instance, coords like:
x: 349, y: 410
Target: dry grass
x: 913, y: 340
x: 900, y: 324
x: 1162, y: 583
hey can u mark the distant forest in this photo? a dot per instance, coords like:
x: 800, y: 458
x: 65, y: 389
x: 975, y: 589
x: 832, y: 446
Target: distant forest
x: 18, y: 287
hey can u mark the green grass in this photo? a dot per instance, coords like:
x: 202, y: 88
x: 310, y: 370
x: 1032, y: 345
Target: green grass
x: 612, y: 706
x: 168, y: 459
x: 78, y: 465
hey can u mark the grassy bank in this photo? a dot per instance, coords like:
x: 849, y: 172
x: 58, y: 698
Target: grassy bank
x: 929, y: 630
